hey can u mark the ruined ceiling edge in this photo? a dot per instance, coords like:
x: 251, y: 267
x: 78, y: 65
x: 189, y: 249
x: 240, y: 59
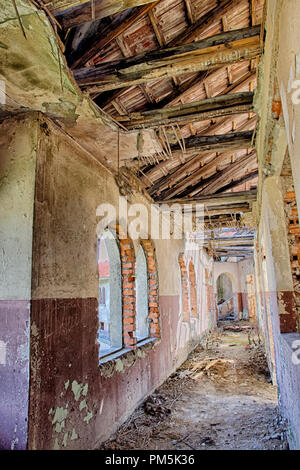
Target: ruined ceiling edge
x: 82, y: 103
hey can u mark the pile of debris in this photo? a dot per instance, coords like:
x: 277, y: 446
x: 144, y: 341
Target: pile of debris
x: 154, y: 406
x: 257, y: 361
x: 213, y: 360
x: 210, y: 367
x: 144, y: 424
x: 237, y: 328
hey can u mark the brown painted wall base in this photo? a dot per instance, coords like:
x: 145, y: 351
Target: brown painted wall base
x: 14, y: 373
x: 74, y: 403
x: 287, y: 311
x: 63, y: 350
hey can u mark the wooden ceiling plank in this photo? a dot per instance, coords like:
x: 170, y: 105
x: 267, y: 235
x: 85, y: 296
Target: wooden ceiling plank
x: 104, y: 36
x: 220, y: 179
x: 204, y: 22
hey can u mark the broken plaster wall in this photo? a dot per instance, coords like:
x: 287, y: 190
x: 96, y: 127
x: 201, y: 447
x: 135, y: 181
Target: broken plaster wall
x: 277, y: 309
x: 279, y: 124
x: 18, y: 145
x: 74, y: 402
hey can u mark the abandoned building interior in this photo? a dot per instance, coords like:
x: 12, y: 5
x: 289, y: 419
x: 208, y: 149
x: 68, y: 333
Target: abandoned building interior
x: 112, y: 112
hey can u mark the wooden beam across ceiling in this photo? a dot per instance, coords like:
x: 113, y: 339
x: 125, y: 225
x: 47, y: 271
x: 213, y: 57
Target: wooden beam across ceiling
x: 203, y: 143
x: 229, y: 47
x: 216, y: 199
x: 192, y: 163
x: 225, y: 105
x: 105, y: 98
x: 230, y: 209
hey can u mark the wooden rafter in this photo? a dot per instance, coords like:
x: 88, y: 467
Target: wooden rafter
x: 225, y: 105
x: 217, y: 199
x: 248, y: 177
x: 208, y: 184
x: 223, y: 177
x: 105, y: 98
x: 183, y: 170
x: 106, y: 33
x: 198, y: 27
x: 224, y: 48
x: 210, y: 143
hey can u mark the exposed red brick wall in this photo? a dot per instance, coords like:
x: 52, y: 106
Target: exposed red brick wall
x: 193, y: 291
x: 184, y: 289
x: 209, y: 291
x: 128, y: 288
x: 153, y: 303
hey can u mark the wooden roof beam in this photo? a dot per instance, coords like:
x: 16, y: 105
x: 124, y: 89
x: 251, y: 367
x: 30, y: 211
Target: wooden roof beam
x: 223, y: 142
x: 225, y: 105
x: 233, y: 209
x: 216, y: 199
x: 229, y: 47
x: 105, y: 98
x: 182, y: 171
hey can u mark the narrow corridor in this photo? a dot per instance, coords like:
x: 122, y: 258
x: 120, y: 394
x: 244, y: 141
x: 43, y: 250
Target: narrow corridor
x: 221, y: 398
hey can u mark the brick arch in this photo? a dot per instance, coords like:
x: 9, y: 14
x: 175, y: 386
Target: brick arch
x: 184, y: 289
x: 193, y: 291
x: 153, y: 300
x: 127, y: 255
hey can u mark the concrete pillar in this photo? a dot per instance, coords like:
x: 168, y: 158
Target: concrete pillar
x: 273, y: 265
x: 283, y: 282
x: 17, y: 186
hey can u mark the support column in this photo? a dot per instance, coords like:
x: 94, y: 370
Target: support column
x: 17, y: 182
x: 281, y: 255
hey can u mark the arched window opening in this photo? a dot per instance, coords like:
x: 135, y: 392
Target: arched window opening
x: 224, y: 288
x: 142, y: 310
x: 110, y: 300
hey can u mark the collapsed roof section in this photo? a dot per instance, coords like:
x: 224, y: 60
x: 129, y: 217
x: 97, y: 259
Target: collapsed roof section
x: 176, y: 77
x: 185, y: 69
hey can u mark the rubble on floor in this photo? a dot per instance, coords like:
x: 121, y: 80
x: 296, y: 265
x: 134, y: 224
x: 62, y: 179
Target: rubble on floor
x: 220, y: 398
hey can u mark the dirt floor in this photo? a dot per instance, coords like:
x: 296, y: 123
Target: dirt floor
x: 221, y: 398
